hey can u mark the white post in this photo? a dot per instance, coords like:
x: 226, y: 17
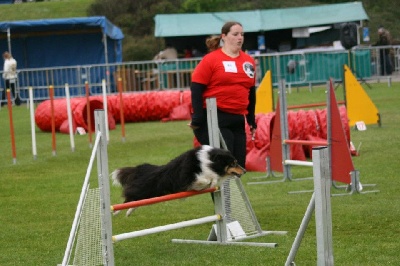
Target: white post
x: 284, y: 130
x: 323, y: 214
x: 104, y: 185
x: 69, y: 114
x: 320, y: 202
x: 9, y: 40
x: 32, y: 111
x: 212, y: 122
x: 219, y: 200
x: 105, y: 107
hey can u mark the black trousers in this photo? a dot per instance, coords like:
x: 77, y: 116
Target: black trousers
x: 385, y: 62
x: 12, y: 87
x: 232, y: 127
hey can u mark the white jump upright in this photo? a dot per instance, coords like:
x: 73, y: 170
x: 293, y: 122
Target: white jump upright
x: 104, y: 185
x: 321, y: 203
x: 214, y: 138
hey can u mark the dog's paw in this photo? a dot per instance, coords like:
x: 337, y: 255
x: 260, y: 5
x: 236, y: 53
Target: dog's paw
x: 129, y: 212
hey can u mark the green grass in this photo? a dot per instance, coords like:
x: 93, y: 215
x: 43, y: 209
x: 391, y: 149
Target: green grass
x: 38, y: 197
x: 45, y: 10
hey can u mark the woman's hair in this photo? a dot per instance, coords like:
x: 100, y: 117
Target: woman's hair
x: 213, y: 42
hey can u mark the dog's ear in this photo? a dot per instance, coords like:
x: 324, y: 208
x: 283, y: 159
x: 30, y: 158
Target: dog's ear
x: 215, y: 157
x: 222, y: 156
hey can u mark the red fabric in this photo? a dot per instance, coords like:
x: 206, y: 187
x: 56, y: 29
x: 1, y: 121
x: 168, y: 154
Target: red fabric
x: 303, y: 125
x: 148, y: 106
x: 64, y: 128
x: 342, y: 164
x: 138, y: 107
x: 308, y: 148
x: 79, y: 113
x: 226, y: 80
x: 180, y: 112
x: 258, y: 149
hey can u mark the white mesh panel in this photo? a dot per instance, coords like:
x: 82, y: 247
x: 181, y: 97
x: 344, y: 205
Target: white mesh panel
x: 88, y: 250
x: 238, y: 208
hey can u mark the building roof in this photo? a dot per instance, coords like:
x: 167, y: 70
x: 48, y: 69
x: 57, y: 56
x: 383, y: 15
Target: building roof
x: 171, y: 25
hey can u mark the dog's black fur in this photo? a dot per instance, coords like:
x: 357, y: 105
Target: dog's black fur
x: 196, y: 169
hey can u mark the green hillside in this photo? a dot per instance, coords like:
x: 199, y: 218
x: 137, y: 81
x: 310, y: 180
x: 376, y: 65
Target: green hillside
x: 44, y: 10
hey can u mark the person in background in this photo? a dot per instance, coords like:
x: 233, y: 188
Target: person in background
x: 168, y: 53
x: 10, y: 77
x: 228, y: 74
x: 187, y: 52
x: 384, y: 54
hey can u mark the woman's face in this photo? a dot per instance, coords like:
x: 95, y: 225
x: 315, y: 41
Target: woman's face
x: 234, y: 38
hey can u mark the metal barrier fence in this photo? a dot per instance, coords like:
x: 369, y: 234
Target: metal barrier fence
x: 298, y: 68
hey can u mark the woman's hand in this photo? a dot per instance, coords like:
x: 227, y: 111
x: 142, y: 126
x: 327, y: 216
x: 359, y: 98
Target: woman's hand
x: 253, y: 133
x: 192, y: 127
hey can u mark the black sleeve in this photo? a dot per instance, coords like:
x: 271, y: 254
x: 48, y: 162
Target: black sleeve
x: 198, y: 116
x: 251, y: 120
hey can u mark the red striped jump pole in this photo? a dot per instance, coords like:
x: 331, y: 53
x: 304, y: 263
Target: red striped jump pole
x: 9, y: 105
x: 311, y: 105
x: 88, y: 114
x: 121, y: 108
x: 306, y: 142
x: 53, y: 121
x: 155, y: 200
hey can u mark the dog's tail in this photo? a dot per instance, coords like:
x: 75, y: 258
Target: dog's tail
x: 122, y: 176
x: 115, y: 176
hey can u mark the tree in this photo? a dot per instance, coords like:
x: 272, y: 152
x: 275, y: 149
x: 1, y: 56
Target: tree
x: 136, y: 20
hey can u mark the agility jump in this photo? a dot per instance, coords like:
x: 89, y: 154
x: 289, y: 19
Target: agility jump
x: 95, y: 241
x: 158, y: 229
x: 336, y: 141
x: 342, y: 170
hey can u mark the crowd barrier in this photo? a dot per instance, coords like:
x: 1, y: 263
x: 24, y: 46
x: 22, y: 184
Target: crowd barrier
x: 298, y: 68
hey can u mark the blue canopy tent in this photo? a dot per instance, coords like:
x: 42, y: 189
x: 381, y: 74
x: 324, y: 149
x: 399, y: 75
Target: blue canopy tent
x: 62, y: 42
x: 66, y: 42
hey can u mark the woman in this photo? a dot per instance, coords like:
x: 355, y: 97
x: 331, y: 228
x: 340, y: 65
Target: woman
x: 228, y: 74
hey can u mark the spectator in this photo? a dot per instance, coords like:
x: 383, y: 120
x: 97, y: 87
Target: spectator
x: 384, y: 39
x: 168, y: 53
x: 10, y: 77
x: 187, y: 53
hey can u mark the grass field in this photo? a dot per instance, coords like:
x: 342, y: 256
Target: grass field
x: 45, y: 10
x: 38, y: 197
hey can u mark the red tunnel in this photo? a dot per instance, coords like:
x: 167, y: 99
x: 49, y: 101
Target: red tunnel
x: 138, y: 107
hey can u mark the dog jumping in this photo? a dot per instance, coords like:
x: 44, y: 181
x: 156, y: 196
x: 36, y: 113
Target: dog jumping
x: 197, y: 169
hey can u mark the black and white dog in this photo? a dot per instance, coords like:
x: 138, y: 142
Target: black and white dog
x: 197, y: 169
